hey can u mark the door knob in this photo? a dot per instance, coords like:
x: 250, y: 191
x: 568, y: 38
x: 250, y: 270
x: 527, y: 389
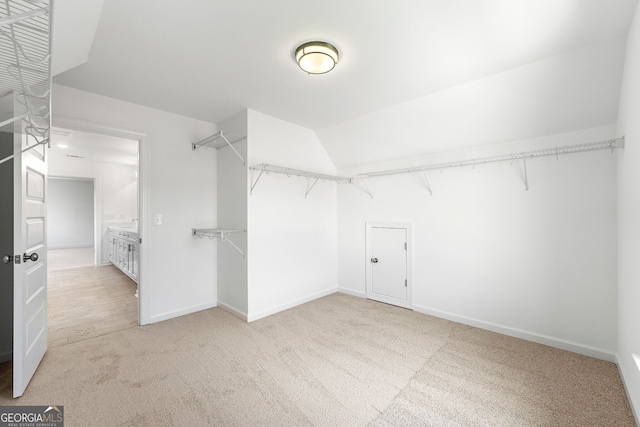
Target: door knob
x: 33, y: 257
x: 6, y: 259
x: 374, y: 260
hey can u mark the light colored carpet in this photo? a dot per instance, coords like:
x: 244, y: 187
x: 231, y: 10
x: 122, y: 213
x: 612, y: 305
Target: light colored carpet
x: 336, y: 361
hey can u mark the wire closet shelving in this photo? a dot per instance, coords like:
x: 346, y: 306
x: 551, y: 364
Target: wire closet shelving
x: 218, y: 140
x: 25, y: 69
x: 310, y: 176
x: 608, y: 144
x: 218, y: 233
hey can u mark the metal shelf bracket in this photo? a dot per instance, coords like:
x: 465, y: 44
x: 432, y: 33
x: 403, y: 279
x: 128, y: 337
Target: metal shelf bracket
x: 219, y: 233
x: 310, y: 187
x: 366, y: 187
x: 219, y: 140
x: 426, y: 181
x: 256, y: 181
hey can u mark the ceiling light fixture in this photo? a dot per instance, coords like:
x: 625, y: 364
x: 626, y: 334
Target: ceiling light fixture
x: 316, y: 57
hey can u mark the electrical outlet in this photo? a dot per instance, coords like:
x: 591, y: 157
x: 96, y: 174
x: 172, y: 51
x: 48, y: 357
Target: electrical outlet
x: 157, y: 220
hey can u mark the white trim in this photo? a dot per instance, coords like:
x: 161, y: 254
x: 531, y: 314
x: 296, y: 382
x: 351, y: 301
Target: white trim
x: 144, y: 310
x: 353, y: 293
x: 183, y: 311
x: 408, y: 227
x: 144, y: 305
x: 291, y: 304
x: 69, y: 246
x: 226, y: 307
x: 586, y: 350
x: 624, y: 374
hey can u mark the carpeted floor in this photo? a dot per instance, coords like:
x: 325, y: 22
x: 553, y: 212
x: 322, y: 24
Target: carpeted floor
x: 336, y: 361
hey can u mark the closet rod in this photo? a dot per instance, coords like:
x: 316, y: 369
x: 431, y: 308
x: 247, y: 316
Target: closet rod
x: 263, y: 167
x: 609, y: 144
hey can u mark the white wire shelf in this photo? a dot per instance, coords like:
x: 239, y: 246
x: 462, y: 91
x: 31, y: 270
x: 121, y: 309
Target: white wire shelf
x: 266, y: 168
x: 218, y: 233
x: 609, y: 144
x: 218, y: 140
x: 25, y: 69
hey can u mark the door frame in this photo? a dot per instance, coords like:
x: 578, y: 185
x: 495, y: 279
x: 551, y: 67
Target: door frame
x: 143, y: 171
x: 408, y: 227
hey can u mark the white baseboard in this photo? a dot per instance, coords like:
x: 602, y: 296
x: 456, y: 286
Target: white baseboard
x: 574, y: 347
x: 70, y: 246
x: 352, y: 292
x: 155, y: 318
x: 633, y: 402
x: 226, y: 307
x: 291, y: 304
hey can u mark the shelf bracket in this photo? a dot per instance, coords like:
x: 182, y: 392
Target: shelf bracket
x: 366, y: 187
x: 233, y: 148
x: 220, y: 234
x: 426, y: 181
x: 310, y: 187
x: 225, y: 238
x: 255, y: 182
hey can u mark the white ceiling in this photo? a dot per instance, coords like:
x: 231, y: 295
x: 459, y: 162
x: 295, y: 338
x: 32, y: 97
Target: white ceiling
x: 75, y: 23
x: 212, y: 59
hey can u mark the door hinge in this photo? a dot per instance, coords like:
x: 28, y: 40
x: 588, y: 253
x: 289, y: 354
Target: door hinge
x: 405, y: 246
x: 405, y: 283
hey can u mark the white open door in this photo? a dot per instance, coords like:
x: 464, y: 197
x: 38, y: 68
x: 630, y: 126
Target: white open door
x: 30, y: 262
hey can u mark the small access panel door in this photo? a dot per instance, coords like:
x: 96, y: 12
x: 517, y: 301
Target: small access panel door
x: 389, y: 281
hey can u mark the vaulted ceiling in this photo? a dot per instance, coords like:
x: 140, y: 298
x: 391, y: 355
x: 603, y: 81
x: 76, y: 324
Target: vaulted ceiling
x: 415, y: 76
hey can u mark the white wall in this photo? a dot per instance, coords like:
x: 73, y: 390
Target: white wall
x: 115, y: 190
x: 232, y: 213
x: 538, y: 264
x: 628, y: 221
x: 178, y: 183
x: 292, y: 241
x: 70, y: 213
x: 575, y: 90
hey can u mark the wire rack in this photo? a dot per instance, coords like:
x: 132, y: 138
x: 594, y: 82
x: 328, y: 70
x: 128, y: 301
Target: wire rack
x: 218, y: 140
x: 312, y: 177
x: 25, y: 68
x: 609, y: 144
x: 218, y: 233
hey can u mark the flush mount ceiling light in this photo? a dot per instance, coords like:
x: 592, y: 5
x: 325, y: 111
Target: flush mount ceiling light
x: 316, y: 57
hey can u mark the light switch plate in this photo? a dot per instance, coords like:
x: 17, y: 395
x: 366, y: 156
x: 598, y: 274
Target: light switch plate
x: 157, y: 220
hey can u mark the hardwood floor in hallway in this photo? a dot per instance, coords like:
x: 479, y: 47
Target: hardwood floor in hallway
x: 87, y: 302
